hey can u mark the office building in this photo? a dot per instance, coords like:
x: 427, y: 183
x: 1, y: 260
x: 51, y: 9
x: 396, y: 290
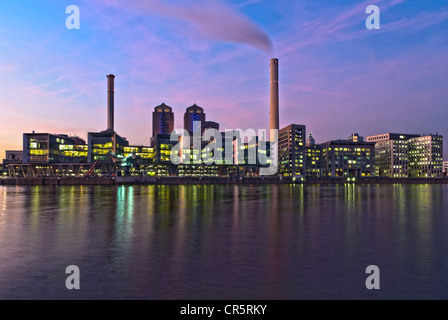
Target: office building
x: 162, y: 120
x: 194, y: 119
x: 400, y: 155
x: 313, y: 158
x: 104, y: 146
x: 291, y: 149
x: 426, y: 156
x: 347, y: 158
x: 48, y: 148
x: 162, y: 145
x: 391, y: 154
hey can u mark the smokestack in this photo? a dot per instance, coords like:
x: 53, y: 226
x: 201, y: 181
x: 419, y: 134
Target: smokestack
x: 273, y: 113
x: 110, y: 102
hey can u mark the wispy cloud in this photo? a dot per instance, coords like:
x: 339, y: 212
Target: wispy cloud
x: 210, y: 18
x: 347, y: 25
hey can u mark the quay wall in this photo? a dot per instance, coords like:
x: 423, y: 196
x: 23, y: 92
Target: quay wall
x: 23, y: 181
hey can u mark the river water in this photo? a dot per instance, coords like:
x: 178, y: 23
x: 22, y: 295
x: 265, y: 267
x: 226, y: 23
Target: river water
x: 224, y: 242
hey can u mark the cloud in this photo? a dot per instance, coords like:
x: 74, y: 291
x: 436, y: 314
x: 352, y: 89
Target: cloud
x: 210, y: 18
x: 329, y: 27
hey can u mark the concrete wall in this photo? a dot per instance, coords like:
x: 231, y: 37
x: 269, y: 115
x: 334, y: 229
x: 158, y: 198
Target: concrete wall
x: 57, y: 181
x: 205, y: 180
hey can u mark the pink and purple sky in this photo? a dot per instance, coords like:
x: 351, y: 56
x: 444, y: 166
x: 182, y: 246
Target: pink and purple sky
x: 336, y: 76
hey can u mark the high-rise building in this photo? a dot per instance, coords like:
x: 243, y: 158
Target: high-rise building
x: 341, y: 158
x: 445, y: 168
x: 162, y: 120
x: 291, y: 149
x: 194, y: 119
x: 426, y: 156
x: 391, y: 154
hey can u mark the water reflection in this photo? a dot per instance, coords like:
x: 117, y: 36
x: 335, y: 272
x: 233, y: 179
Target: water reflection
x: 224, y: 242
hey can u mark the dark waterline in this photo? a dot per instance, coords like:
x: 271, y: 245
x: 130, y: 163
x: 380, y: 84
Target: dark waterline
x: 224, y: 242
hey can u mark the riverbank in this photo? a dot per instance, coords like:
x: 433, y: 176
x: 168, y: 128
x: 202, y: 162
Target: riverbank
x: 206, y: 180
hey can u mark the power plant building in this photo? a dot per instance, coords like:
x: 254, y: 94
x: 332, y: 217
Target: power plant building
x: 105, y: 146
x: 384, y: 155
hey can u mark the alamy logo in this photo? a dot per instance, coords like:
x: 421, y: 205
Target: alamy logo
x: 373, y: 21
x: 232, y: 147
x: 73, y: 20
x: 73, y: 280
x: 373, y: 281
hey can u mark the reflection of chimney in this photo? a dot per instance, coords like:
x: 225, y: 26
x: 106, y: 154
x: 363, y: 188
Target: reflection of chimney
x: 273, y: 113
x: 110, y: 102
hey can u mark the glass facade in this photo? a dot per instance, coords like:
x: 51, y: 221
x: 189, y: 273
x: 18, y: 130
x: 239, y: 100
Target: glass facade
x: 50, y: 148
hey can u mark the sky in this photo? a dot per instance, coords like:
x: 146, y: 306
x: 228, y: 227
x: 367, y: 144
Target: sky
x: 336, y: 76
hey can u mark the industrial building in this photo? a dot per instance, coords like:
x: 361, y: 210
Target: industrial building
x: 108, y: 153
x: 274, y: 123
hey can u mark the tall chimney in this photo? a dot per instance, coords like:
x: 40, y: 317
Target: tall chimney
x: 110, y: 102
x: 273, y: 113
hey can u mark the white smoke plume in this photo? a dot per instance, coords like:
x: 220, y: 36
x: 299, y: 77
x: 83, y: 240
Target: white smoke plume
x: 211, y: 18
